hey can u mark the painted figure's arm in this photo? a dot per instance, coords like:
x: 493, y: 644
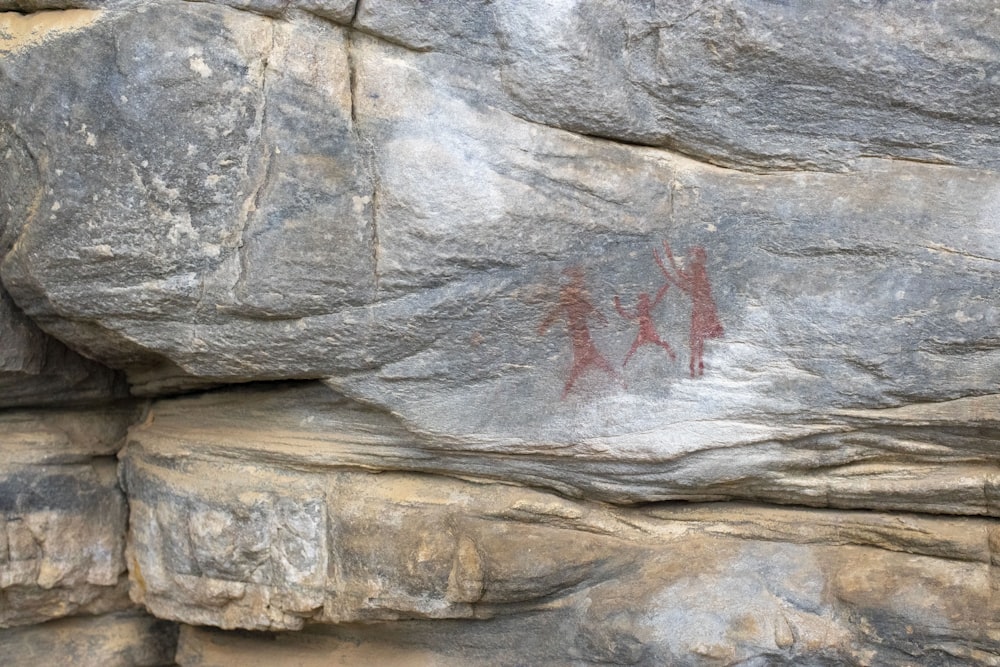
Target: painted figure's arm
x: 682, y: 279
x: 666, y: 272
x: 549, y: 320
x: 622, y: 311
x: 659, y: 295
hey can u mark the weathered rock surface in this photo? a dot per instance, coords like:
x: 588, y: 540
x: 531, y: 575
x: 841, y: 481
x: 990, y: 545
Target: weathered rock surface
x: 233, y: 205
x: 538, y: 270
x: 126, y: 639
x: 276, y: 541
x: 37, y: 370
x: 746, y: 84
x: 353, y: 209
x: 916, y: 458
x: 62, y: 514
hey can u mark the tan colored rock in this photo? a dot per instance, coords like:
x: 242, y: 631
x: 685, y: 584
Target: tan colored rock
x: 265, y: 535
x: 129, y: 639
x: 62, y: 514
x: 912, y: 459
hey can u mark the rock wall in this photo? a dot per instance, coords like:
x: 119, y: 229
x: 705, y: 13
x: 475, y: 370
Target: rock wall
x: 499, y: 332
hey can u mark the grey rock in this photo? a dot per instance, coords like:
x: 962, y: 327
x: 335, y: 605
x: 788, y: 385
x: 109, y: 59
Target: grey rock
x: 36, y: 369
x: 541, y: 270
x: 126, y: 639
x: 222, y: 194
x: 62, y: 514
x: 339, y: 11
x: 410, y: 244
x: 744, y: 84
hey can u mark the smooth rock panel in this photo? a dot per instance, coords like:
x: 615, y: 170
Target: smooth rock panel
x: 751, y: 85
x: 272, y: 543
x: 126, y: 639
x: 436, y: 256
x: 62, y: 514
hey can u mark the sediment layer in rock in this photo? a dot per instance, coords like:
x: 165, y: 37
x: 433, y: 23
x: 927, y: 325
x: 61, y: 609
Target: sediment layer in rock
x: 62, y: 514
x: 125, y: 639
x: 272, y: 543
x: 937, y: 458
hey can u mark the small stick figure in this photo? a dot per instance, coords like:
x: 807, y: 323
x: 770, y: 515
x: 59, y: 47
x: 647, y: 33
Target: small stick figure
x: 576, y: 307
x: 647, y: 331
x: 694, y: 282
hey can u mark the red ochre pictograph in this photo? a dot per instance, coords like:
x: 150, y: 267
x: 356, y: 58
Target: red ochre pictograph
x: 576, y: 308
x: 647, y: 330
x: 694, y: 282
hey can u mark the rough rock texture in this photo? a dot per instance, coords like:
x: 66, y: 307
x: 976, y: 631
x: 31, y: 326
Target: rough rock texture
x: 938, y: 458
x: 62, y: 514
x: 510, y: 279
x: 127, y: 639
x: 36, y: 370
x: 357, y: 210
x: 278, y: 539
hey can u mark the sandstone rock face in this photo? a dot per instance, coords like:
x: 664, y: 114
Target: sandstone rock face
x: 914, y: 458
x: 64, y: 516
x: 125, y: 639
x: 566, y: 333
x: 359, y: 212
x: 282, y: 538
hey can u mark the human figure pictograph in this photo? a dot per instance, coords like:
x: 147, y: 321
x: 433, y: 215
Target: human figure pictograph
x: 576, y: 308
x: 694, y: 282
x: 644, y: 315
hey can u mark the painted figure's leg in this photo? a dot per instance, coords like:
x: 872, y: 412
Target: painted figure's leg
x: 666, y: 346
x: 635, y: 346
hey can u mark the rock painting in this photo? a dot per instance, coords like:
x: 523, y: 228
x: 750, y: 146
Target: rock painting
x: 647, y: 330
x: 694, y: 282
x: 576, y: 307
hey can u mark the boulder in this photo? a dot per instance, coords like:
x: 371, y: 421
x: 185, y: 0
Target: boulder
x: 359, y: 209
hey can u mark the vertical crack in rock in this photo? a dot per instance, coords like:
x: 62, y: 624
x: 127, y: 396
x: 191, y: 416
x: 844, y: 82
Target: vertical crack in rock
x: 253, y: 199
x: 376, y: 247
x: 352, y: 69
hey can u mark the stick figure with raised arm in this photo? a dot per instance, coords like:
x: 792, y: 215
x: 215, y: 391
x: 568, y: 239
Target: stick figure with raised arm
x: 576, y: 308
x: 647, y: 331
x: 694, y: 282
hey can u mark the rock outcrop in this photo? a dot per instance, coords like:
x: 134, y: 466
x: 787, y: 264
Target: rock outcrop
x: 64, y: 515
x: 275, y: 532
x: 499, y: 332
